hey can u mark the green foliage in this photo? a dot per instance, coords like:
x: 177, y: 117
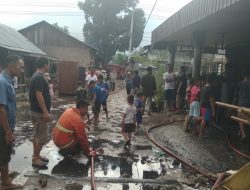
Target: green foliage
x: 65, y: 29
x: 156, y: 58
x: 108, y: 24
x: 159, y: 96
x: 119, y: 58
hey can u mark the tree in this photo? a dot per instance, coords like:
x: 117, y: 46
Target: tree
x: 158, y: 59
x: 62, y: 28
x: 108, y: 24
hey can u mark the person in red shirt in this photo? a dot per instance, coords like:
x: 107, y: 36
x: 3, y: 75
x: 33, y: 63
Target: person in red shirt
x: 194, y: 112
x: 188, y: 101
x: 69, y: 134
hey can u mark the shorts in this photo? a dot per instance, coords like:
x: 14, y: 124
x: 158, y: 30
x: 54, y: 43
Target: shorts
x: 96, y: 108
x: 40, y: 126
x: 129, y: 128
x: 170, y: 95
x: 76, y: 149
x: 187, y: 104
x: 195, y: 109
x: 138, y: 117
x: 5, y: 150
x: 104, y: 106
x: 206, y: 114
x: 180, y: 101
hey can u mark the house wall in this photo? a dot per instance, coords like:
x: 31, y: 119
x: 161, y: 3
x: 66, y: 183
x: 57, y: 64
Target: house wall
x: 59, y: 45
x: 72, y: 54
x: 68, y: 77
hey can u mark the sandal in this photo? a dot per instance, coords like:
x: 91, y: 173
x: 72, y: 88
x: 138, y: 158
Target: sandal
x: 39, y: 164
x: 44, y: 159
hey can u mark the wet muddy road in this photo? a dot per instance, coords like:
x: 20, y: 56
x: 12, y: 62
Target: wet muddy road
x: 142, y: 161
x: 211, y: 154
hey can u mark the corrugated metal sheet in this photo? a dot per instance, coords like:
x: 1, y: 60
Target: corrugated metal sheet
x: 193, y: 12
x: 55, y: 35
x: 13, y: 40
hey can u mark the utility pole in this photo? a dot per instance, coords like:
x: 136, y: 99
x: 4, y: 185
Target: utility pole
x: 131, y: 35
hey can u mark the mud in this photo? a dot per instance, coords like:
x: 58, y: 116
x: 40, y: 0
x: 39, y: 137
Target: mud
x: 142, y: 161
x: 210, y: 154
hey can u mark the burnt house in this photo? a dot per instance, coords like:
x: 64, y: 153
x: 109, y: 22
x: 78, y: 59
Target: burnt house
x: 72, y: 57
x: 14, y: 43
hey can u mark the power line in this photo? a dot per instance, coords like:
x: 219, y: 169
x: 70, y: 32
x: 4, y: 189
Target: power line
x: 151, y: 12
x: 156, y: 17
x: 63, y: 5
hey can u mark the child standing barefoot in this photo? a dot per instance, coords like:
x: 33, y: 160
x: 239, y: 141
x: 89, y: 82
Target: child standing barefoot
x: 128, y: 122
x: 96, y: 99
x: 139, y: 109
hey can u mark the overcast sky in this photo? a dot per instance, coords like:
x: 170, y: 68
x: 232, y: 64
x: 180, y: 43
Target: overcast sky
x: 20, y: 14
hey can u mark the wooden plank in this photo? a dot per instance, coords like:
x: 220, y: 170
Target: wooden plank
x: 240, y: 120
x: 230, y: 106
x: 108, y: 180
x: 239, y: 180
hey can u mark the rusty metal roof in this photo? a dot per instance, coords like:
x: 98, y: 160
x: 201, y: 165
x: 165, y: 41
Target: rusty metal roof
x: 203, y: 15
x: 12, y: 40
x: 45, y: 23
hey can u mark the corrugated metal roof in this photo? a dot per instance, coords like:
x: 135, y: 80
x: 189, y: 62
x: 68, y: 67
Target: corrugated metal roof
x: 194, y: 12
x: 13, y: 40
x: 66, y: 34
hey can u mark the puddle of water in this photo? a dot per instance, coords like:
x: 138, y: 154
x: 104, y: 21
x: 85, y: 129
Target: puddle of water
x: 115, y: 186
x: 21, y: 159
x: 105, y: 166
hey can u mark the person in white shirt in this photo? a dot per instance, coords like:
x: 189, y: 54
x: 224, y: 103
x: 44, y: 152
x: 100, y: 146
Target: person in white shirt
x: 15, y: 83
x: 128, y: 122
x: 91, y: 77
x: 50, y: 83
x: 169, y: 78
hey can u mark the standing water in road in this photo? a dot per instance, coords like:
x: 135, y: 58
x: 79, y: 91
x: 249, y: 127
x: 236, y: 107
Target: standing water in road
x: 142, y: 161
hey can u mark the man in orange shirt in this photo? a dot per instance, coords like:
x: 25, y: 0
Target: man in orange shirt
x: 69, y: 134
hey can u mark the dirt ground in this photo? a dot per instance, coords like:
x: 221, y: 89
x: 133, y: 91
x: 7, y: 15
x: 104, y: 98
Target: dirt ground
x: 142, y: 161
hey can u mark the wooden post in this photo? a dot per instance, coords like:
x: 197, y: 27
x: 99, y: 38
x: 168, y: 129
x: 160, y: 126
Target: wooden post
x: 198, y: 41
x: 172, y: 52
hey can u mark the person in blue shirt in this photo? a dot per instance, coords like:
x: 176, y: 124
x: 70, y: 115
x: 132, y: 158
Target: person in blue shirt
x: 129, y: 82
x: 96, y: 100
x: 136, y: 84
x: 104, y: 94
x: 13, y: 67
x: 139, y: 108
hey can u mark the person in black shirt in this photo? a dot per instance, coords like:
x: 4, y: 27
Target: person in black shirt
x: 136, y: 83
x: 181, y: 91
x: 207, y: 104
x: 244, y: 99
x: 40, y: 103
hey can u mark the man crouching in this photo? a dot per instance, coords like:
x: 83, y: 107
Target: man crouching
x: 69, y: 134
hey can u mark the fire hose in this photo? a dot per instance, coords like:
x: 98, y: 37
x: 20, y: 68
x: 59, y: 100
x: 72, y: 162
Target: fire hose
x: 96, y: 152
x: 231, y: 146
x: 172, y: 154
x: 93, y: 183
x: 169, y: 152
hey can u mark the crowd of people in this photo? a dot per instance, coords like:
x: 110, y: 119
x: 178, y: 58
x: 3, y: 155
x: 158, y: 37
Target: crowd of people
x: 195, y: 96
x: 182, y: 93
x: 202, y: 94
